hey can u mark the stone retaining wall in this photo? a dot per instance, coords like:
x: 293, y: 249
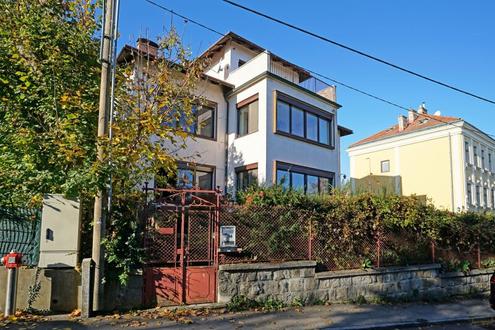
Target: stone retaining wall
x: 298, y: 280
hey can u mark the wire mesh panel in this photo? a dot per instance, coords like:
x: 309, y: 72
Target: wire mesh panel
x: 20, y: 231
x: 199, y: 237
x: 267, y: 234
x: 161, y: 236
x: 404, y: 247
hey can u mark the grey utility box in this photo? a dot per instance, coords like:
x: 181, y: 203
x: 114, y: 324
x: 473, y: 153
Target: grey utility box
x: 60, y: 232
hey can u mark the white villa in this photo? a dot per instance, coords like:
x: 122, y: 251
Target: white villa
x: 268, y: 121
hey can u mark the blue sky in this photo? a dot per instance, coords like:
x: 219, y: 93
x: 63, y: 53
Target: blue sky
x: 451, y: 41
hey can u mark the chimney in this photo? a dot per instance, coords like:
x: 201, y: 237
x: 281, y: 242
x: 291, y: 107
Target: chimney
x: 329, y: 93
x: 147, y: 46
x: 402, y: 123
x: 411, y: 116
x: 422, y: 109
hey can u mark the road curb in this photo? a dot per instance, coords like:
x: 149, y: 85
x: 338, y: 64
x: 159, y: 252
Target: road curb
x: 417, y: 323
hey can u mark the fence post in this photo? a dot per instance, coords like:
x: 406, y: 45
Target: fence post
x: 478, y: 255
x: 378, y: 249
x: 433, y: 251
x: 310, y: 241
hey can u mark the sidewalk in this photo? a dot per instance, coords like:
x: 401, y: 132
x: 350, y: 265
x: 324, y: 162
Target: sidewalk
x: 338, y: 316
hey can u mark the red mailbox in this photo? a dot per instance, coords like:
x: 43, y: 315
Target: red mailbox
x: 12, y: 260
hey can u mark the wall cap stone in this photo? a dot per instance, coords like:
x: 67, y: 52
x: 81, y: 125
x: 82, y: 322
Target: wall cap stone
x: 268, y: 266
x: 375, y: 271
x: 472, y: 272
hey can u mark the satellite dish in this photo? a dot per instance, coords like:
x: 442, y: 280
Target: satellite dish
x: 437, y: 113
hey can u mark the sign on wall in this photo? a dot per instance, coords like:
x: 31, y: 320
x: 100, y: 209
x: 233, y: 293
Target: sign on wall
x: 227, y: 237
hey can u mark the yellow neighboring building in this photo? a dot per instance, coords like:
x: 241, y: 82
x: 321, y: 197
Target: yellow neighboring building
x: 444, y: 158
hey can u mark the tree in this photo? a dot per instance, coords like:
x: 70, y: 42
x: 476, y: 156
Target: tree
x: 49, y: 80
x: 156, y: 102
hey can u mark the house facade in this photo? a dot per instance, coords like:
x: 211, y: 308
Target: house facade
x: 267, y: 121
x: 446, y: 159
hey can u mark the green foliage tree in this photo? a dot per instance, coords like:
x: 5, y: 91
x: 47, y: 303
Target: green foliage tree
x: 49, y: 91
x: 49, y: 80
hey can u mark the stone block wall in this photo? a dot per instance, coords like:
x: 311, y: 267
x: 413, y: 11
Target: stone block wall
x: 298, y: 280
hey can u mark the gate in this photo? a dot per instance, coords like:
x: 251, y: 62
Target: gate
x: 181, y: 241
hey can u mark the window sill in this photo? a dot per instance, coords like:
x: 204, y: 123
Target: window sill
x: 237, y: 136
x: 295, y: 137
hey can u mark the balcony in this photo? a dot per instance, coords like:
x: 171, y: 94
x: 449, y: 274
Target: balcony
x: 266, y: 61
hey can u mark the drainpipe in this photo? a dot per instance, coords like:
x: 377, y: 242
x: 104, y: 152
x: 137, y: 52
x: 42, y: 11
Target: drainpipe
x: 226, y: 175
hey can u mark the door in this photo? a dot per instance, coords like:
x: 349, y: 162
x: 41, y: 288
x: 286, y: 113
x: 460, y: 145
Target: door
x: 181, y: 245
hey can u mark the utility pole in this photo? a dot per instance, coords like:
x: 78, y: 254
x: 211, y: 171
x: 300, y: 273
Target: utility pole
x: 101, y: 203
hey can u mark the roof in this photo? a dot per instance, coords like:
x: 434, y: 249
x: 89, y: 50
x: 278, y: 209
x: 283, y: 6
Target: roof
x: 343, y: 131
x: 231, y: 36
x: 422, y: 121
x: 127, y: 54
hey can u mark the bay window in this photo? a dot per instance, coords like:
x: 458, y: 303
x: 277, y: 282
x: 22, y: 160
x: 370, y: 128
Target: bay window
x: 305, y: 179
x: 301, y: 121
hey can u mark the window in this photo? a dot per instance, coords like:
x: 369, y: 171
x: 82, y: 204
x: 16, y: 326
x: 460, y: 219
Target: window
x: 385, y: 166
x: 302, y: 121
x: 469, y: 195
x: 311, y: 127
x: 246, y: 176
x: 478, y: 196
x: 240, y: 63
x: 466, y: 150
x: 283, y: 117
x: 202, y: 124
x: 205, y: 122
x: 194, y: 176
x: 490, y: 168
x: 308, y: 180
x: 485, y: 197
x: 475, y: 155
x: 324, y: 131
x: 482, y: 158
x: 493, y: 198
x: 247, y: 118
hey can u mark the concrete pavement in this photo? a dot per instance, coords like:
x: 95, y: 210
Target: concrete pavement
x: 336, y: 316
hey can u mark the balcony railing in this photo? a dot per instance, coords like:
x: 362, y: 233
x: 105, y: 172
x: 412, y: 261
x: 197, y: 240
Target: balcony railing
x: 312, y: 84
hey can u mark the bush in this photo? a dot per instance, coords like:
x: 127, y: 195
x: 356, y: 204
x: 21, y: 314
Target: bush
x: 406, y: 225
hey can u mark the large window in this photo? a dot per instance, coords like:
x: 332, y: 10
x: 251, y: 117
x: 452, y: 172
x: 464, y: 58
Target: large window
x: 308, y: 180
x: 194, y: 176
x: 490, y: 167
x: 493, y: 198
x: 478, y: 196
x: 247, y: 118
x: 302, y: 121
x: 475, y: 156
x: 246, y: 176
x: 485, y: 197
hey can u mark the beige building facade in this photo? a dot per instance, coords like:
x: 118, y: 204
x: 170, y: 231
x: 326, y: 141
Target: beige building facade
x: 445, y: 159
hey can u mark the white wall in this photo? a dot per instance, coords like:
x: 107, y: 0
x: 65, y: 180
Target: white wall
x: 250, y: 148
x: 293, y: 151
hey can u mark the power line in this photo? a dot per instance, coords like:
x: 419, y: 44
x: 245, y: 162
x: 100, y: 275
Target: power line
x: 374, y: 58
x: 316, y: 73
x: 184, y: 17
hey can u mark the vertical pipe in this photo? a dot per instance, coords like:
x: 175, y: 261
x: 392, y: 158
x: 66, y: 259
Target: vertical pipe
x: 182, y: 250
x: 11, y: 292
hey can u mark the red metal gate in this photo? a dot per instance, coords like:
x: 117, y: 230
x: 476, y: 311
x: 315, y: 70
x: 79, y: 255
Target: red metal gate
x: 181, y: 240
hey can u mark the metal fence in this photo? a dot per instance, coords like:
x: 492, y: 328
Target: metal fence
x: 275, y: 234
x: 20, y: 231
